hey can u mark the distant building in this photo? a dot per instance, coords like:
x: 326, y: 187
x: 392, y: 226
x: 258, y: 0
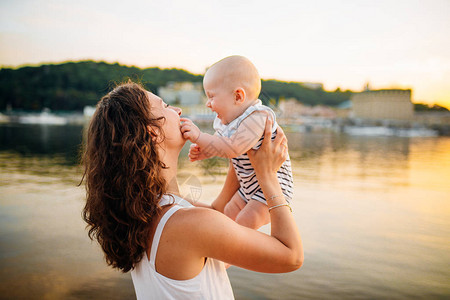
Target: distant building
x: 293, y: 109
x: 344, y: 109
x: 182, y: 93
x: 88, y: 111
x: 392, y: 104
x: 433, y: 118
x: 312, y: 85
x: 345, y: 105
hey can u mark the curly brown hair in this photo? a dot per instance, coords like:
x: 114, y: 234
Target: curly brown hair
x: 122, y: 173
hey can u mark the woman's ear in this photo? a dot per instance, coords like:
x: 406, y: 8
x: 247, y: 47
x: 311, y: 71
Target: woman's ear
x: 239, y: 95
x: 154, y: 132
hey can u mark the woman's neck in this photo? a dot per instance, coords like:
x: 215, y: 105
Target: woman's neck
x: 170, y: 160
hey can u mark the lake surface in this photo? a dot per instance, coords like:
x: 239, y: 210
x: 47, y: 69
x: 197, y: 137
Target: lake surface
x: 374, y: 214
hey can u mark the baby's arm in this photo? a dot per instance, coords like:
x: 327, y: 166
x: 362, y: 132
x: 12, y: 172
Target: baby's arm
x: 230, y: 187
x: 247, y: 135
x: 196, y: 153
x: 191, y: 131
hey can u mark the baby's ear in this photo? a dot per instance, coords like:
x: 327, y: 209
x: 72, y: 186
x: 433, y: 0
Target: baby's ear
x: 239, y: 95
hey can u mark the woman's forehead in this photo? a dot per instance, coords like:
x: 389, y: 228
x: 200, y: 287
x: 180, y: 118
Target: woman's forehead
x: 153, y: 98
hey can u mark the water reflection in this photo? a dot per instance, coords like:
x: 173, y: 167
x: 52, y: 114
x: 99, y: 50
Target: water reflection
x: 343, y: 160
x: 373, y: 212
x: 42, y: 141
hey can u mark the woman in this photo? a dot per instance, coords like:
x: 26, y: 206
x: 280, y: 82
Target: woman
x: 174, y: 250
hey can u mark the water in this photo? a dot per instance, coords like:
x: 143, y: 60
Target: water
x: 374, y: 214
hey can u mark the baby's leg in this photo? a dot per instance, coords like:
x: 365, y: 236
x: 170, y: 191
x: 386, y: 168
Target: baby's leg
x: 234, y: 206
x: 254, y: 215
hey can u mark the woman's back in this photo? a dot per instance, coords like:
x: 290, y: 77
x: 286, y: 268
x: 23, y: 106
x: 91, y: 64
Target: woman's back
x: 211, y: 283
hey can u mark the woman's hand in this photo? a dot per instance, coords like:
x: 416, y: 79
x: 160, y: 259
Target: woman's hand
x: 271, y: 155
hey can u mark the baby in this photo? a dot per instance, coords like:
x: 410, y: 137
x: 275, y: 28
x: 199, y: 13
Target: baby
x: 232, y: 87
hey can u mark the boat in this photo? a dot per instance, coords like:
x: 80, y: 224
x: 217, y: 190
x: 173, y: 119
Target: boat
x: 45, y: 117
x: 388, y: 131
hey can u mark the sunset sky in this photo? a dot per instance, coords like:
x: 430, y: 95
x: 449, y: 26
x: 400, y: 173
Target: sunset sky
x: 391, y: 44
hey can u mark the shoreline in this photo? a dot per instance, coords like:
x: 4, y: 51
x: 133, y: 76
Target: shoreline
x: 420, y: 127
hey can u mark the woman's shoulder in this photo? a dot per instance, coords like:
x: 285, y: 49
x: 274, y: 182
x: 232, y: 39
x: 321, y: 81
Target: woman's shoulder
x: 188, y: 214
x: 195, y: 220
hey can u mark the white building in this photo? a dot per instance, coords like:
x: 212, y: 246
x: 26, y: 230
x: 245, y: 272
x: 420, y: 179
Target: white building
x: 182, y: 93
x: 392, y: 104
x: 312, y: 85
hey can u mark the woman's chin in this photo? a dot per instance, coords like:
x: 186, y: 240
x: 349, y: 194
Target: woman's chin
x: 175, y: 143
x: 183, y: 141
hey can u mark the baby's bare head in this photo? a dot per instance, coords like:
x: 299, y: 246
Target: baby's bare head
x: 236, y: 72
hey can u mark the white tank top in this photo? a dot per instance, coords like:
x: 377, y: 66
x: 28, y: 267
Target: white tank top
x: 211, y: 283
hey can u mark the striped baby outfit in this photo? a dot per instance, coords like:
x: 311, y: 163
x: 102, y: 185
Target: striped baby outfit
x: 249, y: 186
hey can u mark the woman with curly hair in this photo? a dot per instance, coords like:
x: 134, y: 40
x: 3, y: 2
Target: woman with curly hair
x: 133, y: 209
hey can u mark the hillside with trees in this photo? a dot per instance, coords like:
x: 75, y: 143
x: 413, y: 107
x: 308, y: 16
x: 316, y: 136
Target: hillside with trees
x: 422, y: 107
x: 73, y: 85
x: 274, y: 89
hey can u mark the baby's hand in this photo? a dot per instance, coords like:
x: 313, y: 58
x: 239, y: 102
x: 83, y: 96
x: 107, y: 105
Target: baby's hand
x: 195, y: 153
x: 189, y: 130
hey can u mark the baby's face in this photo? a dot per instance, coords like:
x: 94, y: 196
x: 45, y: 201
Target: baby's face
x: 221, y: 99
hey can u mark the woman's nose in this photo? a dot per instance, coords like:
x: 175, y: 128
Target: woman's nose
x: 178, y: 110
